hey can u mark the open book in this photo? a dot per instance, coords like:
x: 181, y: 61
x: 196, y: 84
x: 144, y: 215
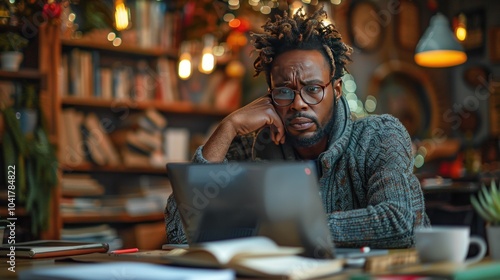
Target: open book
x: 256, y: 256
x: 51, y: 248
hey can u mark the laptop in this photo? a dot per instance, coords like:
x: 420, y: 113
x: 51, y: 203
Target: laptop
x: 279, y: 200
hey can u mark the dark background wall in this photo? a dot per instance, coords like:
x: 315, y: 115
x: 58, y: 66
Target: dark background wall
x: 448, y: 95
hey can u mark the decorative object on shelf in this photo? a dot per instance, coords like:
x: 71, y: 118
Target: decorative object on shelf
x: 11, y: 45
x: 52, y: 11
x: 407, y: 31
x: 365, y: 29
x: 487, y: 205
x: 407, y: 92
x: 439, y: 47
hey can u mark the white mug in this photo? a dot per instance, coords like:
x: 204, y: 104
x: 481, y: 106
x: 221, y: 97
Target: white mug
x: 447, y: 244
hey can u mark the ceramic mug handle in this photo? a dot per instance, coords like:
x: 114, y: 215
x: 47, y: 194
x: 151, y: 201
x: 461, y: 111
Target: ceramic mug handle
x: 481, y: 244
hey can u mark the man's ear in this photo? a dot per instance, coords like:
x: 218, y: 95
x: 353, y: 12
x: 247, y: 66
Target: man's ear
x: 337, y: 88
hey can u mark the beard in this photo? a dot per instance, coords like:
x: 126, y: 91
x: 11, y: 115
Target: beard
x: 321, y: 131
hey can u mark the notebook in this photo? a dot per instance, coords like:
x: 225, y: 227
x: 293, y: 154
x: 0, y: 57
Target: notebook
x: 279, y: 200
x: 51, y: 248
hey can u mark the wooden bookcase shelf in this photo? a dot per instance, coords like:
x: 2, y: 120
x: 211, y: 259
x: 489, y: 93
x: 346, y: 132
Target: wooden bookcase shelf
x: 178, y: 107
x: 113, y: 218
x: 124, y: 48
x: 81, y: 87
x: 20, y: 212
x: 22, y: 74
x: 113, y: 169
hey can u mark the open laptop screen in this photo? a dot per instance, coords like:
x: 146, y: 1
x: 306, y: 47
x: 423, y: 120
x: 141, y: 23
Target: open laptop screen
x: 279, y: 200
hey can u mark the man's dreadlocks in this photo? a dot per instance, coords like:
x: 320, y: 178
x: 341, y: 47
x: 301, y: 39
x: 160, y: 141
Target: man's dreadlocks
x: 302, y: 32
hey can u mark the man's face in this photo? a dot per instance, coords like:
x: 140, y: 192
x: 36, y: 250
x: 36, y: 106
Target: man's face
x: 306, y: 125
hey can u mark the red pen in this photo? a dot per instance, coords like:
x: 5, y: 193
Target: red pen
x: 125, y: 251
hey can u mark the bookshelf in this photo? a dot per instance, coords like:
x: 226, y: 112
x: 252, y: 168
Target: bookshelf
x: 31, y: 82
x: 77, y: 71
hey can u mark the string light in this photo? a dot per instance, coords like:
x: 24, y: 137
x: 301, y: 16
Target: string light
x: 207, y: 64
x: 122, y: 15
x: 185, y: 66
x: 460, y: 23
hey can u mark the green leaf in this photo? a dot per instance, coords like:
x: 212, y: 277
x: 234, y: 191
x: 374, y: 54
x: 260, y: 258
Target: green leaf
x: 496, y: 196
x: 479, y: 209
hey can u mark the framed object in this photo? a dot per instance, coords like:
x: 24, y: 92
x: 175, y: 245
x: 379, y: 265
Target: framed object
x: 408, y: 30
x: 494, y: 45
x: 365, y: 25
x: 407, y: 92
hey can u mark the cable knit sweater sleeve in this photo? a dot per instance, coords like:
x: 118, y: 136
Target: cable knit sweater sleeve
x: 386, y: 201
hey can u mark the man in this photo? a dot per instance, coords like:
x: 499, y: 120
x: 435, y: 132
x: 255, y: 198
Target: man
x: 368, y: 188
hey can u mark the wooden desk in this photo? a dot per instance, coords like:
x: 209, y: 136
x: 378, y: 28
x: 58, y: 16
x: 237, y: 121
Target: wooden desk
x: 349, y: 273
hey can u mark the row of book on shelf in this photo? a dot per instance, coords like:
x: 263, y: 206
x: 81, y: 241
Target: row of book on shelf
x: 142, y: 139
x: 84, y: 195
x: 83, y: 75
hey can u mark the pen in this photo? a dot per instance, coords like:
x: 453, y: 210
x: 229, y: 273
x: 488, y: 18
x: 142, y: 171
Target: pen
x: 125, y: 251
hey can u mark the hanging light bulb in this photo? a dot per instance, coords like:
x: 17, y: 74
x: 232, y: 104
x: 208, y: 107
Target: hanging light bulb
x: 122, y: 15
x: 207, y: 64
x: 460, y: 23
x: 185, y: 65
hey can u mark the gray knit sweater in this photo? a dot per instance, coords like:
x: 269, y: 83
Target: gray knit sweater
x: 367, y: 185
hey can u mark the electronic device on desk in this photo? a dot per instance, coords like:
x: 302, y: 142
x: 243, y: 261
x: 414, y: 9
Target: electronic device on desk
x: 279, y: 200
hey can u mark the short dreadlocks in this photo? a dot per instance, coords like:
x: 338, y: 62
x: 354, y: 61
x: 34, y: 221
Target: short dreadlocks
x: 302, y: 32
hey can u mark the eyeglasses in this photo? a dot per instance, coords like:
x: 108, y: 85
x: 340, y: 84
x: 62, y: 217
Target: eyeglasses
x: 310, y: 94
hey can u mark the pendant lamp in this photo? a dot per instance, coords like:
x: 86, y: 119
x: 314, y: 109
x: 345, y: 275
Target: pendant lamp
x: 438, y: 46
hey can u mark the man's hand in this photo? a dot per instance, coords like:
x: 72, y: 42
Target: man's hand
x: 252, y: 117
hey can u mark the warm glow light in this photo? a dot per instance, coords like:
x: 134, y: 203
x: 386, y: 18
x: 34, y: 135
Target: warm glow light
x: 111, y: 36
x: 228, y: 17
x: 184, y: 70
x: 461, y: 33
x: 326, y: 22
x: 295, y: 6
x: 121, y: 15
x: 235, y: 23
x: 207, y: 61
x: 117, y: 41
x: 440, y: 58
x: 265, y: 10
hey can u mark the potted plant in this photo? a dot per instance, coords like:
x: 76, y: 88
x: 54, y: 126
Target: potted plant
x: 487, y: 205
x: 29, y: 150
x: 11, y: 46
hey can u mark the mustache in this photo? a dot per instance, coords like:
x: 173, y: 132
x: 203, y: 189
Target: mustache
x: 302, y: 115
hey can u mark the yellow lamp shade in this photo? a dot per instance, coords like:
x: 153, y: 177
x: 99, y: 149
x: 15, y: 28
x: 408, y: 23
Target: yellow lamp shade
x: 440, y: 58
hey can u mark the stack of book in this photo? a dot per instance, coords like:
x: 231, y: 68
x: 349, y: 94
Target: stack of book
x: 96, y: 234
x: 84, y: 139
x: 140, y: 139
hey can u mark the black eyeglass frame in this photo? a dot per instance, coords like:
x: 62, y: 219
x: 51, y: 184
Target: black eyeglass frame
x: 300, y: 93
